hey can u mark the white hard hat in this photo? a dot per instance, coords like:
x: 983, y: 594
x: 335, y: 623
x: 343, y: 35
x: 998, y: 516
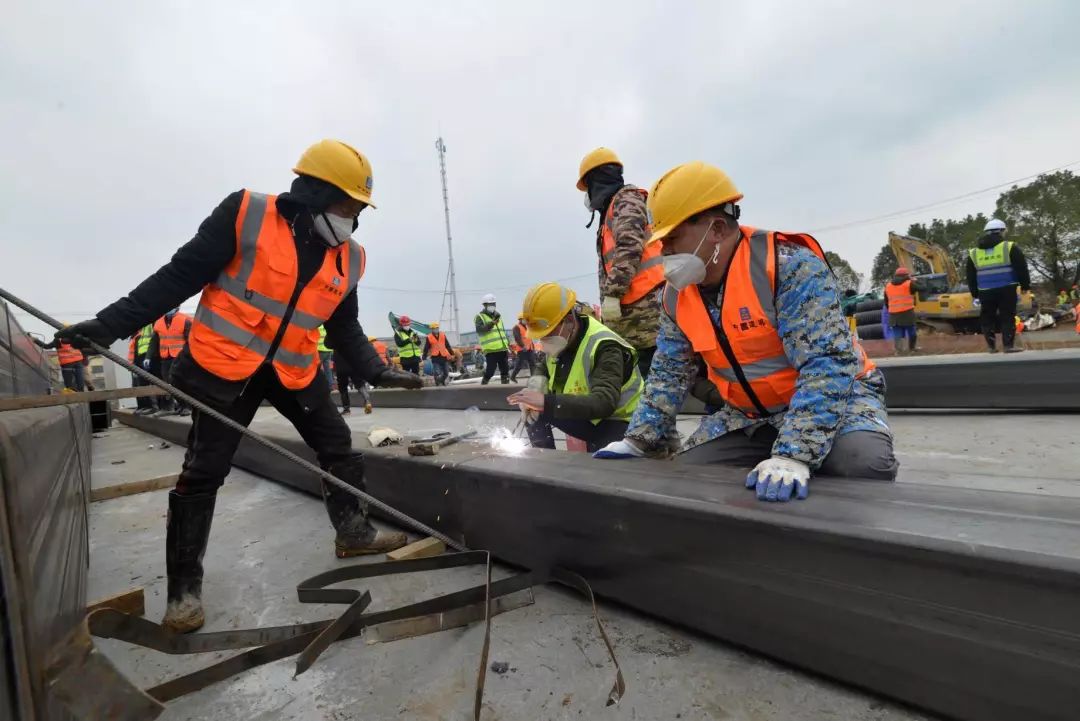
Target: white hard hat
x: 489, y: 298
x: 994, y: 224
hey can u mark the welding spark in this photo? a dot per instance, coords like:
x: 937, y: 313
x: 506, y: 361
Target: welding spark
x: 504, y: 441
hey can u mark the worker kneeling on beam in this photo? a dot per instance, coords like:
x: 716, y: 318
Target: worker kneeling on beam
x: 271, y: 269
x: 761, y: 310
x: 590, y: 383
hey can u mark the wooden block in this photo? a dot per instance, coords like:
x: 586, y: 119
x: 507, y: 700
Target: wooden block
x: 131, y: 602
x: 65, y: 399
x: 458, y: 617
x: 129, y: 489
x: 421, y: 549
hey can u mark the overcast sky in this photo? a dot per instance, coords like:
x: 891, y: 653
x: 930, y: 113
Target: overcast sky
x: 124, y: 124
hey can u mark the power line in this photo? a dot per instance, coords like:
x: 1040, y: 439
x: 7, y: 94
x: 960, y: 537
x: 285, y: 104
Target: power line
x: 927, y: 206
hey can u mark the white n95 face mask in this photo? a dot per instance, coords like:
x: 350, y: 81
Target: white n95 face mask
x: 554, y: 345
x: 333, y: 229
x: 683, y: 270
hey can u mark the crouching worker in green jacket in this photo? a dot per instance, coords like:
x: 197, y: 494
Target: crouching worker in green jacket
x: 589, y: 384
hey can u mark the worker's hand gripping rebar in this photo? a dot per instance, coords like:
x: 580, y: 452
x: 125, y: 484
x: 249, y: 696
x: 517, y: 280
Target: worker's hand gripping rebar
x: 243, y: 430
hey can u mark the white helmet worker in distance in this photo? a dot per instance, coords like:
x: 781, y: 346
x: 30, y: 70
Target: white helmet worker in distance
x: 994, y: 225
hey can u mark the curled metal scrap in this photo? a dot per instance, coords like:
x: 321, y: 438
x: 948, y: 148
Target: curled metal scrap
x: 88, y: 684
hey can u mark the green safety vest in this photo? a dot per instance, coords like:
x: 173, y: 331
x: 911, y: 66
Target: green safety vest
x: 322, y: 340
x: 493, y: 340
x: 577, y: 381
x: 143, y: 344
x: 993, y: 267
x: 411, y: 349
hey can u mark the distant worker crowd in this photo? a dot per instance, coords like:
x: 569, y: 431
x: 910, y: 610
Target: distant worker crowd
x: 693, y: 302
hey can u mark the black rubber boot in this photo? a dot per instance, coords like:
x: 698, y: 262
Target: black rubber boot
x: 348, y: 514
x: 186, y: 535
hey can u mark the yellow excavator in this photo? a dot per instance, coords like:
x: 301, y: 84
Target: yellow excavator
x: 944, y: 305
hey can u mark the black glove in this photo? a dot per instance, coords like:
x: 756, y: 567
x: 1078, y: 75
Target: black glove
x: 394, y: 378
x: 495, y: 314
x: 81, y: 334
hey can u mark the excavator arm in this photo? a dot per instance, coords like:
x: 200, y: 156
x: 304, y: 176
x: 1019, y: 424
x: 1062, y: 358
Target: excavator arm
x: 907, y: 248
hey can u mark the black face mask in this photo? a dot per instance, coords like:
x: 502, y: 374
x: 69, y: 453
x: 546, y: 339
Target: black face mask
x: 603, y: 182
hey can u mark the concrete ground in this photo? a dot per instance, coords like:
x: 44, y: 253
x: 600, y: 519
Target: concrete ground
x: 267, y: 537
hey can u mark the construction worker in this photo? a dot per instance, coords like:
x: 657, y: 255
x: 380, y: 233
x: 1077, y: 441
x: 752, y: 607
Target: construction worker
x: 592, y: 379
x: 380, y: 348
x: 72, y: 364
x: 493, y: 341
x: 995, y: 268
x: 438, y: 347
x: 1074, y: 292
x: 344, y: 376
x: 326, y: 357
x: 271, y: 269
x: 1063, y: 298
x: 761, y: 309
x: 630, y: 269
x: 900, y: 300
x: 408, y: 345
x: 145, y: 359
x: 526, y: 354
x: 170, y: 336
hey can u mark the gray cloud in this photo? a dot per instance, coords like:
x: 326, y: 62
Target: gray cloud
x: 123, y: 124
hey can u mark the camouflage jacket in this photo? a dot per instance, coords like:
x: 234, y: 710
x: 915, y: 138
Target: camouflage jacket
x: 629, y: 224
x: 829, y: 399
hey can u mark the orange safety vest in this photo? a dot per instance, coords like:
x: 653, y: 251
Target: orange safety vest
x: 650, y: 272
x: 240, y: 312
x: 67, y: 354
x: 901, y: 298
x: 1078, y: 318
x: 752, y: 372
x: 438, y: 345
x: 170, y: 335
x: 131, y: 348
x: 527, y: 343
x: 380, y: 348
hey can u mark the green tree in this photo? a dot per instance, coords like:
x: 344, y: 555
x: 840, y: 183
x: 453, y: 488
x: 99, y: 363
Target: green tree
x: 1044, y: 217
x: 957, y: 237
x: 884, y: 266
x: 845, y: 274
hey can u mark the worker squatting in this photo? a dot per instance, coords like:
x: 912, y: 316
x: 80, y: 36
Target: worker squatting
x: 693, y: 302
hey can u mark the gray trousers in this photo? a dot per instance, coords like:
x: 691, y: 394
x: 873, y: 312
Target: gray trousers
x: 858, y: 454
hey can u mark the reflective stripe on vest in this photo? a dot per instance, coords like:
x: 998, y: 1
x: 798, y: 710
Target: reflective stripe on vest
x: 494, y: 340
x: 66, y: 354
x: 900, y: 297
x: 411, y: 349
x: 170, y: 335
x: 650, y: 272
x: 240, y: 313
x: 577, y: 380
x: 438, y: 345
x: 142, y: 345
x: 747, y: 320
x: 993, y: 267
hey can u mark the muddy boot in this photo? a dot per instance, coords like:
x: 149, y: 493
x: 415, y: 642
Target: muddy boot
x: 348, y: 515
x: 187, y: 531
x: 898, y: 345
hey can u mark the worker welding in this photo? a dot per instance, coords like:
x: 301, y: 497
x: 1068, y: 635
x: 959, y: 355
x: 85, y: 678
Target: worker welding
x: 609, y: 403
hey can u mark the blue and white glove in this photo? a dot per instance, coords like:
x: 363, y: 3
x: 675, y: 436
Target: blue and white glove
x: 146, y: 364
x: 619, y: 449
x: 776, y: 478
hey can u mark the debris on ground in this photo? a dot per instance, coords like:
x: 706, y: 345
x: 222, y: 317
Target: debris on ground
x: 380, y: 437
x: 499, y: 667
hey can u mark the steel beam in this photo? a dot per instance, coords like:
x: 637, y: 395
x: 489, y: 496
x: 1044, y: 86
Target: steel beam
x: 960, y: 601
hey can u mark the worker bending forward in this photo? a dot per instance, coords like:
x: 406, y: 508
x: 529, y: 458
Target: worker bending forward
x: 590, y: 383
x: 760, y: 309
x: 272, y: 269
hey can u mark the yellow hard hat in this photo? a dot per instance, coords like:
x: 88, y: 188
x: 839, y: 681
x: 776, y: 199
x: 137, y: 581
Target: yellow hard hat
x: 685, y: 191
x: 598, y: 157
x: 433, y: 324
x: 544, y: 306
x: 372, y: 339
x: 340, y: 165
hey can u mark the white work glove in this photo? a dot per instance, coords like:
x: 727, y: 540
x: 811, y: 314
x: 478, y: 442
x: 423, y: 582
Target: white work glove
x: 776, y: 478
x: 610, y: 309
x: 618, y: 450
x: 535, y: 383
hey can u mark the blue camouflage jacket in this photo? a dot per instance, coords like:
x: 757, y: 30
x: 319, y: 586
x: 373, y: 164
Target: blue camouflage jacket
x: 829, y: 399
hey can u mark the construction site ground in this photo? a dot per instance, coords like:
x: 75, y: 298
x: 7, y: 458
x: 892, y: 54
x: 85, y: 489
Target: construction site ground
x: 267, y: 537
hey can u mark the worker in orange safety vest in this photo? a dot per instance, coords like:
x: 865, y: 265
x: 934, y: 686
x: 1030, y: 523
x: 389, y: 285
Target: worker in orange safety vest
x: 437, y: 347
x: 271, y: 269
x: 900, y: 300
x: 170, y: 336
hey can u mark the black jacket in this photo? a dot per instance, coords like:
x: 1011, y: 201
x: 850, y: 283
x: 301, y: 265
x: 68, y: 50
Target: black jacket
x: 1016, y: 259
x: 199, y: 261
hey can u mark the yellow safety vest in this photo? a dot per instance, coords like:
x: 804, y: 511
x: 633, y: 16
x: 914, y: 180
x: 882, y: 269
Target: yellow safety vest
x: 322, y: 340
x: 577, y: 381
x: 411, y: 349
x: 493, y: 340
x: 143, y: 344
